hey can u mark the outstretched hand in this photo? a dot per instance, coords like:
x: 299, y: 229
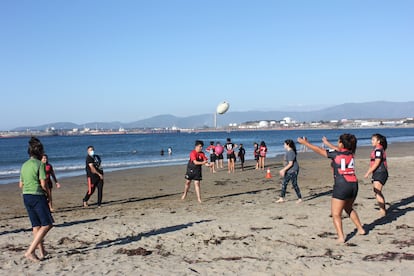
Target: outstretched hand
x: 301, y: 140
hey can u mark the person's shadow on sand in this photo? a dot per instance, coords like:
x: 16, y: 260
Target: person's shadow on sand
x: 164, y: 230
x: 393, y: 213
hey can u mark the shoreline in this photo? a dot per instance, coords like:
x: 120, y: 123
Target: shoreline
x: 145, y: 228
x: 277, y: 156
x: 6, y: 134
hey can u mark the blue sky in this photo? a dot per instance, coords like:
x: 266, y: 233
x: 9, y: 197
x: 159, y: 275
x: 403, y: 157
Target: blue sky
x: 83, y: 61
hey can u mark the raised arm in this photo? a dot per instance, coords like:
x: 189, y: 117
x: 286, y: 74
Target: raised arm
x: 329, y: 144
x: 314, y: 148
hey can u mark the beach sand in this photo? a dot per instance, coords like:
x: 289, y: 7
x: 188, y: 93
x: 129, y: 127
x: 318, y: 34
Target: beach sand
x: 144, y: 228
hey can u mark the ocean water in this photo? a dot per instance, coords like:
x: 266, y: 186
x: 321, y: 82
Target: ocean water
x: 67, y: 153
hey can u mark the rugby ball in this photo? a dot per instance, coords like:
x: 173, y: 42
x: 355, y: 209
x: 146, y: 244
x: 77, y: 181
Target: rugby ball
x: 223, y: 107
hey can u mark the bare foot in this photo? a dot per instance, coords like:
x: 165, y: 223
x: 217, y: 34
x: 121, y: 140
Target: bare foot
x: 42, y: 252
x: 280, y: 200
x: 382, y: 213
x: 361, y: 232
x: 199, y: 200
x: 32, y: 257
x: 85, y: 204
x: 299, y: 201
x: 340, y: 240
x: 183, y: 197
x: 42, y: 255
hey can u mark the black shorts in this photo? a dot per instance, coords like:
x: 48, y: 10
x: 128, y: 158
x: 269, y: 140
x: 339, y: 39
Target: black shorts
x: 380, y: 177
x: 193, y: 173
x: 345, y: 190
x: 213, y: 158
x: 231, y: 156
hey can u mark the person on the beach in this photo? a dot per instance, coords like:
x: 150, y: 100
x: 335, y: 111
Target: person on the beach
x: 50, y: 173
x: 231, y: 156
x: 345, y: 187
x: 218, y: 150
x: 290, y: 171
x: 169, y: 151
x: 35, y: 196
x: 94, y: 175
x: 241, y: 154
x: 197, y: 159
x: 211, y: 150
x: 379, y: 169
x: 262, y: 155
x: 256, y: 154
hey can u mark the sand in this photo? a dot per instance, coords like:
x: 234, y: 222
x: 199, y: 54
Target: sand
x: 144, y: 228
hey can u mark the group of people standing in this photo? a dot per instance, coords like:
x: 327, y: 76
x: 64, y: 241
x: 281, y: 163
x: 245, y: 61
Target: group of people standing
x: 36, y: 173
x: 233, y: 152
x: 216, y: 152
x: 259, y: 152
x: 345, y: 188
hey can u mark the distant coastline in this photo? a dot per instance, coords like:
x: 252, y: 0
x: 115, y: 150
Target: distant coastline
x: 369, y: 114
x: 252, y: 126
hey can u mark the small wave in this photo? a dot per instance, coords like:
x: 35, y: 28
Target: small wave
x: 9, y: 172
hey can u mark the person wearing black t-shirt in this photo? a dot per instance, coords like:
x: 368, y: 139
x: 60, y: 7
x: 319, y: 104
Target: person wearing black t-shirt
x: 94, y: 174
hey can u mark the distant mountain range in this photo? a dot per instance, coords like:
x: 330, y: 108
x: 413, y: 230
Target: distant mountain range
x: 369, y: 110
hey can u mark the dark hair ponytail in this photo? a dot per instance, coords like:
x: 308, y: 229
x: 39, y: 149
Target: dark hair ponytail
x: 382, y: 140
x: 291, y: 145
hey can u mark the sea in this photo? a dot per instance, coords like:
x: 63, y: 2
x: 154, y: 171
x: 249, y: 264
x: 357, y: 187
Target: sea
x: 124, y: 151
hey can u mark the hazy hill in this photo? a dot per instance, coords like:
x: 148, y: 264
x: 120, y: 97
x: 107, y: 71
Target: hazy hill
x: 369, y: 110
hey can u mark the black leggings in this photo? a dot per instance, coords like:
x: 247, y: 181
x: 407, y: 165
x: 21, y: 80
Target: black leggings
x: 91, y: 189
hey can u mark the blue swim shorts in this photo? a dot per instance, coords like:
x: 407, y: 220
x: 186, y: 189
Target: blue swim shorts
x: 38, y: 210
